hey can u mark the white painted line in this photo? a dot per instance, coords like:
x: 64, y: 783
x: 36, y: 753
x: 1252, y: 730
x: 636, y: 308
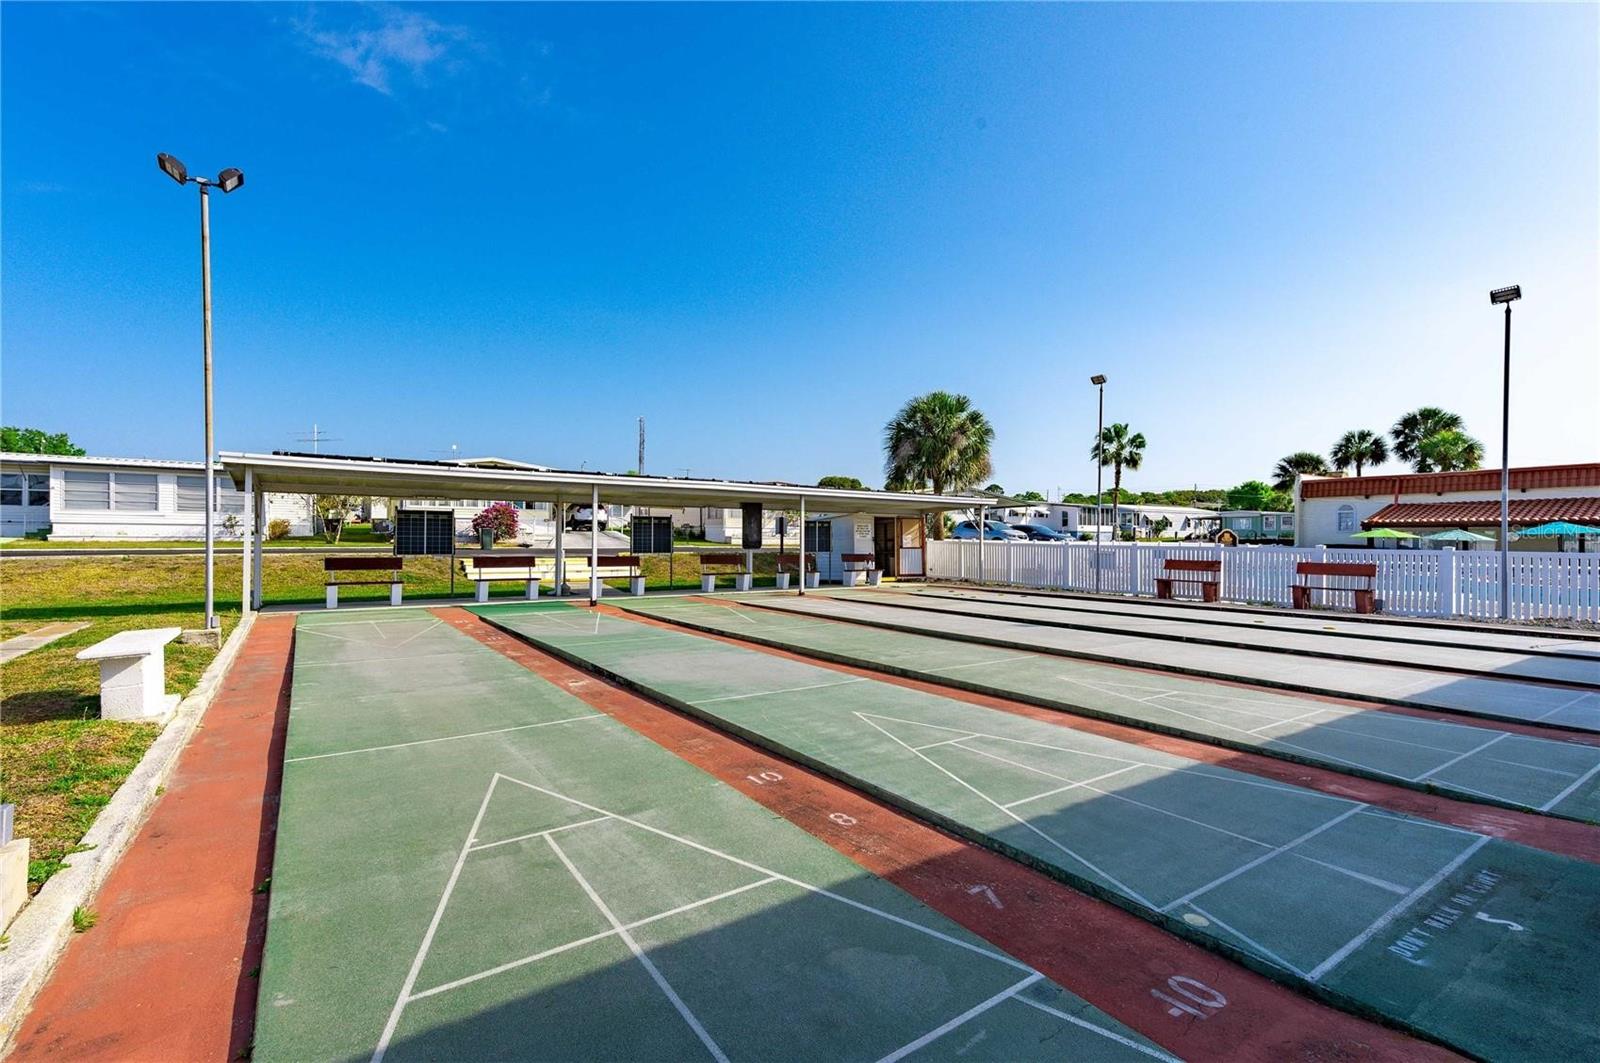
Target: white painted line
x: 446, y: 738
x: 1002, y: 738
x: 639, y: 954
x: 1252, y: 942
x: 1457, y: 759
x: 1135, y: 894
x: 411, y: 638
x: 786, y: 690
x: 1563, y: 705
x: 591, y: 939
x: 980, y: 664
x: 1291, y: 719
x: 820, y: 891
x: 1069, y: 786
x: 538, y: 834
x: 946, y: 742
x: 433, y: 926
x: 1579, y: 781
x: 966, y: 1016
x: 724, y: 895
x: 1263, y: 858
x: 1371, y: 880
x: 1388, y: 917
x: 1112, y: 1035
x: 356, y: 662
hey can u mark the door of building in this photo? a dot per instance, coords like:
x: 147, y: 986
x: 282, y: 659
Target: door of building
x: 912, y: 548
x: 883, y: 546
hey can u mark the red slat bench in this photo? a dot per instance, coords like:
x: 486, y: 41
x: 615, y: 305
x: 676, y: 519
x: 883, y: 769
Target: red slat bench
x: 1207, y: 575
x: 742, y: 576
x: 485, y: 568
x: 390, y: 563
x: 854, y: 566
x: 1358, y: 578
x: 791, y: 563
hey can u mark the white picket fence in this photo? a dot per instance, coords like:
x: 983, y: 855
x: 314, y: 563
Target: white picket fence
x: 1412, y: 582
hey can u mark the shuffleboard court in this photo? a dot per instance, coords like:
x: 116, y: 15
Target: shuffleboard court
x: 1475, y: 763
x: 472, y: 863
x: 1384, y: 914
x: 1532, y: 641
x: 1465, y: 660
x: 1494, y: 699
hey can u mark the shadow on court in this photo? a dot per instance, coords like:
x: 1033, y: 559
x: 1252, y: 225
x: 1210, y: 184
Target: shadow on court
x: 1406, y: 918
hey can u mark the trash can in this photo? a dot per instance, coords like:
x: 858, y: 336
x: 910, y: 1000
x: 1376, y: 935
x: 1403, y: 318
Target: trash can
x: 486, y: 538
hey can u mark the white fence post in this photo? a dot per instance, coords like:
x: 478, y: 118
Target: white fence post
x: 1011, y: 561
x: 1446, y: 604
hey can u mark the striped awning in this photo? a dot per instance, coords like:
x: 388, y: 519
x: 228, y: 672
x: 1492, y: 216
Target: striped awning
x: 1523, y: 512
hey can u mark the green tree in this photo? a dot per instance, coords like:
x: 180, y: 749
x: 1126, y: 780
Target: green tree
x: 843, y: 483
x: 1449, y: 451
x: 994, y: 489
x: 1029, y: 496
x: 938, y: 441
x: 16, y: 440
x: 1119, y: 449
x: 1409, y: 432
x: 1253, y: 494
x: 1359, y: 448
x: 1300, y: 463
x: 331, y: 511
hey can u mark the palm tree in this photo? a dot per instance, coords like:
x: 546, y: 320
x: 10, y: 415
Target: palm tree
x: 937, y: 440
x: 1449, y: 451
x: 1120, y: 449
x: 1359, y: 448
x: 1409, y: 432
x: 1300, y: 463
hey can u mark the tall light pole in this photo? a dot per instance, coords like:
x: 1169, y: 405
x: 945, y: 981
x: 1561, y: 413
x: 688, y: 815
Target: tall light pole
x: 227, y: 180
x: 1099, y: 381
x: 1496, y: 297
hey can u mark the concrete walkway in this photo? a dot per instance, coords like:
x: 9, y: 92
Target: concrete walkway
x: 15, y: 647
x: 168, y: 973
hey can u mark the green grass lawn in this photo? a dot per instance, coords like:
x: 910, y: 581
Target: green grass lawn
x: 353, y: 535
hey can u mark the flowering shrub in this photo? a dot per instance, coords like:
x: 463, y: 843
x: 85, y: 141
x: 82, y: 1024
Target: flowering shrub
x: 500, y: 518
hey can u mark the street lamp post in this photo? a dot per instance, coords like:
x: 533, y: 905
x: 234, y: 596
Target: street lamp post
x: 1496, y: 297
x: 227, y: 180
x: 1099, y: 381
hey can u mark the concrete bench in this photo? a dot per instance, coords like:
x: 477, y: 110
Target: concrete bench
x: 133, y: 674
x: 792, y: 561
x: 855, y: 567
x: 486, y: 568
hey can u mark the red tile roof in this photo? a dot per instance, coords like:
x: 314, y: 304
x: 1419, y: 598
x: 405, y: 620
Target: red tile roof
x: 1429, y: 483
x: 1525, y: 512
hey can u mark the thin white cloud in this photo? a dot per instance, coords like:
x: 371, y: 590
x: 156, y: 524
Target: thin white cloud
x: 389, y: 42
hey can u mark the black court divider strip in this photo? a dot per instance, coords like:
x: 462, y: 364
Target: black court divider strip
x: 1441, y: 623
x: 1074, y: 709
x: 1139, y: 610
x: 1169, y: 923
x: 1109, y: 627
x: 1109, y: 658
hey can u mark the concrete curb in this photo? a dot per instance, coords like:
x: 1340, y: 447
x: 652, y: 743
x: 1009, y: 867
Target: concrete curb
x: 41, y: 931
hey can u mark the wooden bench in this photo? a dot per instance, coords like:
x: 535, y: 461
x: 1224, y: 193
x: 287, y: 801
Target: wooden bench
x: 484, y: 568
x: 743, y: 578
x: 389, y: 563
x: 791, y: 562
x: 853, y: 567
x: 1358, y: 582
x: 133, y: 674
x: 1207, y: 575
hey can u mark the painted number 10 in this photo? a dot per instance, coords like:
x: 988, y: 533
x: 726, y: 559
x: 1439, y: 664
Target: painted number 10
x: 1197, y: 998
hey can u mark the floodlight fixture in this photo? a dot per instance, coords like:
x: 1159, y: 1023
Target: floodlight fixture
x: 1506, y: 295
x: 230, y: 179
x: 1097, y: 379
x: 172, y: 167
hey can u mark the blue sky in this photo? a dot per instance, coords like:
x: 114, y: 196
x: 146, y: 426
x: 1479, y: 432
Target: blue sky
x: 515, y: 229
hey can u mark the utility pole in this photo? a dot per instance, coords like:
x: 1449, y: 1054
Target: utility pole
x: 640, y: 467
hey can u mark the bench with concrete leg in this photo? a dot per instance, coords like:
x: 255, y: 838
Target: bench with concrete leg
x: 856, y: 567
x: 391, y: 564
x: 742, y: 576
x: 133, y: 674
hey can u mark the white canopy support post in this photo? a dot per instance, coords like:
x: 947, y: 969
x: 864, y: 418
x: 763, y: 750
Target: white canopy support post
x: 800, y: 577
x: 594, y: 544
x: 247, y: 545
x: 982, y: 528
x: 561, y: 551
x: 261, y: 534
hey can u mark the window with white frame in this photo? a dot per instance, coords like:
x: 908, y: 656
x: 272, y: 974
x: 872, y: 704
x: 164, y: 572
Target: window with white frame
x: 1347, y: 517
x: 13, y: 486
x: 191, y: 494
x: 229, y: 499
x: 135, y: 491
x: 1286, y: 521
x: 86, y: 490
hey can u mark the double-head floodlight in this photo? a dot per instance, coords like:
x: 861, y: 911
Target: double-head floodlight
x: 1506, y: 295
x: 227, y: 180
x: 1097, y: 379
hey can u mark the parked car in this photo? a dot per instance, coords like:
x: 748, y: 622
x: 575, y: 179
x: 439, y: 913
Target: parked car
x: 578, y: 518
x: 1042, y: 533
x: 992, y: 529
